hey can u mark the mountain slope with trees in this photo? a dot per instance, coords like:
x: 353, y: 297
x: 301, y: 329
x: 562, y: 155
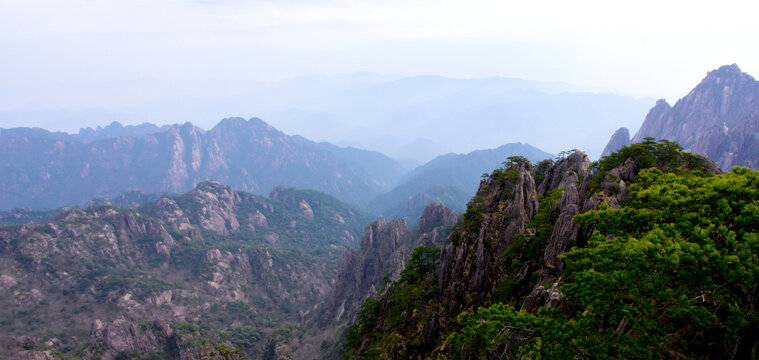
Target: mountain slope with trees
x: 649, y: 253
x: 174, y: 278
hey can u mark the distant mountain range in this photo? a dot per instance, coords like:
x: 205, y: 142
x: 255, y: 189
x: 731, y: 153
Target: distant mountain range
x: 408, y: 118
x: 127, y: 166
x: 719, y: 118
x: 44, y: 170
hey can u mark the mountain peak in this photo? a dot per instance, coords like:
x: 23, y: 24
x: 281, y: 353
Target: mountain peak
x: 212, y: 186
x: 715, y: 118
x: 620, y: 138
x: 732, y: 68
x: 727, y: 73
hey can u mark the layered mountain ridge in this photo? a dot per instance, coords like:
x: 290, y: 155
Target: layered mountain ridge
x: 43, y: 171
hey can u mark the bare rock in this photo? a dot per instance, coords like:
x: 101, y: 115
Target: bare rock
x: 620, y: 138
x: 7, y: 282
x: 471, y: 264
x: 258, y: 219
x: 719, y: 118
x: 435, y: 215
x: 33, y: 296
x: 305, y: 207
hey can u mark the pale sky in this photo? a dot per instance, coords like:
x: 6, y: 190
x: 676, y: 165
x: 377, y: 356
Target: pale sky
x: 658, y: 49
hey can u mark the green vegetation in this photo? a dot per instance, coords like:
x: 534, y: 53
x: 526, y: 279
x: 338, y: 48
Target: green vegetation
x: 528, y: 248
x: 675, y: 274
x: 87, y: 265
x: 664, y: 154
x: 503, y: 178
x: 369, y: 338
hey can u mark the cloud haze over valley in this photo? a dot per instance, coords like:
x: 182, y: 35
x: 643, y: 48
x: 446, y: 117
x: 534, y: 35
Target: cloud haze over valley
x: 88, y: 63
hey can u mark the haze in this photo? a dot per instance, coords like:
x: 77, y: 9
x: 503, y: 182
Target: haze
x: 85, y: 63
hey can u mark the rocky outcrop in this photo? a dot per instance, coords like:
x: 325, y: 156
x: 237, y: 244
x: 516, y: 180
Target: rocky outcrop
x: 385, y: 250
x: 435, y: 215
x: 122, y: 335
x: 214, y: 207
x: 566, y: 176
x: 213, y: 256
x: 470, y: 263
x: 620, y: 138
x: 717, y: 118
x: 450, y: 179
x: 507, y: 248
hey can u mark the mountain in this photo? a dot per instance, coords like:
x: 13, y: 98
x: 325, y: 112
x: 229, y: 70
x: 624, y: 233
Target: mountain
x: 450, y: 179
x: 115, y: 129
x: 386, y: 248
x: 416, y: 117
x: 620, y: 138
x: 44, y: 170
x: 567, y: 259
x: 719, y: 118
x: 173, y: 278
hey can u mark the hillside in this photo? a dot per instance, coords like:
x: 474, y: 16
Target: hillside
x: 173, y: 278
x: 43, y: 170
x: 386, y: 248
x: 647, y: 254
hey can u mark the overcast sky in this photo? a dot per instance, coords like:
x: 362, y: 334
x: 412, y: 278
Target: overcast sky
x: 641, y: 48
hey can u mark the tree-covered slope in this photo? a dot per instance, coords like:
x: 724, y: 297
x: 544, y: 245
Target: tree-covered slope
x: 673, y: 274
x: 650, y: 253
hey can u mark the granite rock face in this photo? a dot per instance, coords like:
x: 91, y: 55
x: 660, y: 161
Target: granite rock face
x: 620, y: 138
x: 471, y: 266
x: 385, y: 250
x: 718, y: 118
x: 567, y: 174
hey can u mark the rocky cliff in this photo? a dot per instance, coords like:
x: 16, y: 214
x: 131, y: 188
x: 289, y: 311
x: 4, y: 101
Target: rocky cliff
x: 43, y: 171
x: 505, y: 250
x: 620, y: 138
x: 718, y: 118
x: 385, y: 250
x: 173, y: 278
